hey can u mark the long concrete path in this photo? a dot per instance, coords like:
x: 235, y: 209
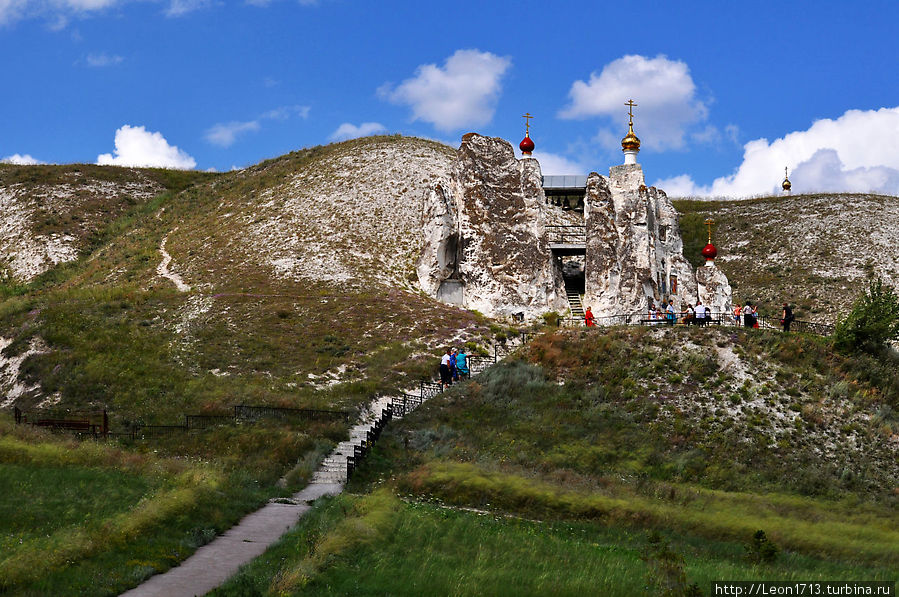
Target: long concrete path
x: 211, y: 565
x: 215, y: 562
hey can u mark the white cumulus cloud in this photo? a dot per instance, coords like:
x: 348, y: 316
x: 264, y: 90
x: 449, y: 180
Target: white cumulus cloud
x: 21, y: 160
x: 178, y: 8
x: 348, y: 130
x: 555, y: 164
x: 136, y: 146
x: 225, y: 134
x: 461, y: 93
x: 285, y: 112
x: 857, y: 152
x: 59, y: 11
x: 667, y: 103
x: 102, y: 59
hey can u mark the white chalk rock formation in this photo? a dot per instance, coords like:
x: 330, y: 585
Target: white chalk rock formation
x: 634, y: 248
x: 485, y: 242
x: 713, y: 288
x: 505, y: 264
x: 440, y: 239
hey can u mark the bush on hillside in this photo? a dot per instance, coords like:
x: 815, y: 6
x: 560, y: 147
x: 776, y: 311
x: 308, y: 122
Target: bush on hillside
x: 873, y: 321
x: 665, y: 573
x: 761, y: 550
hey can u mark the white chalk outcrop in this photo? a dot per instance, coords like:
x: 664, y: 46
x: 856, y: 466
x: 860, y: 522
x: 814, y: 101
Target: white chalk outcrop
x: 485, y: 245
x: 713, y: 288
x: 634, y: 248
x: 32, y: 237
x: 485, y: 235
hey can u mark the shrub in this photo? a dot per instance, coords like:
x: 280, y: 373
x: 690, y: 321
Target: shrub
x: 665, y: 574
x: 551, y: 319
x: 873, y: 321
x: 761, y: 549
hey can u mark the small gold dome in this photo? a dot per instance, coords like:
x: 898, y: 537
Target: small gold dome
x: 630, y: 141
x: 786, y: 184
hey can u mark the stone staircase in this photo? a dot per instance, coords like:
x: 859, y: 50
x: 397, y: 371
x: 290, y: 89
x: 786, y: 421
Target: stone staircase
x: 339, y: 464
x: 574, y: 304
x: 334, y: 468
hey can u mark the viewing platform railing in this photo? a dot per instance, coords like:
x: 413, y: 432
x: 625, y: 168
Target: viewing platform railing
x: 717, y: 319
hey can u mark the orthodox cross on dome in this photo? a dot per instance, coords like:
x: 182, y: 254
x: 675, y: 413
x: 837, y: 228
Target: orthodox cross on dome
x: 630, y: 109
x: 527, y: 144
x: 709, y: 251
x: 630, y: 145
x: 786, y: 185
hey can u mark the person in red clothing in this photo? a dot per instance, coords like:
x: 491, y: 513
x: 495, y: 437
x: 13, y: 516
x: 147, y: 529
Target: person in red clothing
x: 589, y: 319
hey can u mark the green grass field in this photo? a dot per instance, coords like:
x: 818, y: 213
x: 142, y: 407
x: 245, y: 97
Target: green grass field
x: 378, y: 544
x: 556, y: 472
x: 87, y: 518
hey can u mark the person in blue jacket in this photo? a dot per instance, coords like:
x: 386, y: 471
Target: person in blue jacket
x: 462, y: 363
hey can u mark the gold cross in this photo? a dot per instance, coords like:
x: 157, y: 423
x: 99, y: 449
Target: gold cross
x: 709, y: 223
x: 527, y: 123
x: 630, y: 110
x: 785, y: 172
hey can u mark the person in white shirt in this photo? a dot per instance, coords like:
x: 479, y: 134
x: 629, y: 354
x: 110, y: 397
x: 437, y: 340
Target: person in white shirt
x: 446, y: 376
x: 700, y: 313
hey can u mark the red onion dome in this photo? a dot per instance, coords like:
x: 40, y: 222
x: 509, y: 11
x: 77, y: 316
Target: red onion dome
x: 709, y: 252
x: 526, y: 145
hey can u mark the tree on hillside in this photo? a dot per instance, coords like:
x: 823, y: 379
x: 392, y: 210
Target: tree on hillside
x: 873, y: 321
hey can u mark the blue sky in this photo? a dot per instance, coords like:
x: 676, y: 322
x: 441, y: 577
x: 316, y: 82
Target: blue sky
x: 728, y: 93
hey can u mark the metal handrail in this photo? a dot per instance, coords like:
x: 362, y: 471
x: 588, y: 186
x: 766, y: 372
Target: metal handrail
x: 719, y: 319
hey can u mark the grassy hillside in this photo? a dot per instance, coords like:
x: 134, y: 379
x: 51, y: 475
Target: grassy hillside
x: 53, y: 214
x: 814, y: 251
x: 634, y: 458
x: 153, y: 294
x: 109, y: 328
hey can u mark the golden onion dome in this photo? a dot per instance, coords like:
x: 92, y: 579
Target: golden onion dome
x: 630, y: 141
x: 786, y: 184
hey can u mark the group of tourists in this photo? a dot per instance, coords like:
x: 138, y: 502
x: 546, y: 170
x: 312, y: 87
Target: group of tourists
x: 453, y: 366
x: 747, y: 315
x: 699, y: 314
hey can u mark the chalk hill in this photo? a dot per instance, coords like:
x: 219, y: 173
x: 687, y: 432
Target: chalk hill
x: 269, y: 283
x: 299, y: 274
x: 815, y: 251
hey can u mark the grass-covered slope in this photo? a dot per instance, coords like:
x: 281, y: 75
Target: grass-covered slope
x: 346, y: 214
x: 726, y: 411
x: 52, y: 214
x: 813, y: 251
x: 293, y: 276
x: 600, y: 439
x: 87, y: 518
x: 177, y: 303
